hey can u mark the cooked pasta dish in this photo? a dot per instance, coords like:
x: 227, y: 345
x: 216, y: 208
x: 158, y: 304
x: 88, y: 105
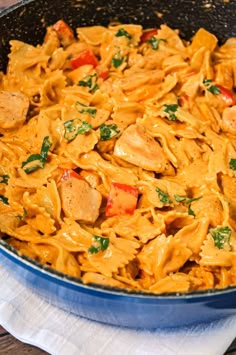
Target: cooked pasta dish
x: 118, y: 156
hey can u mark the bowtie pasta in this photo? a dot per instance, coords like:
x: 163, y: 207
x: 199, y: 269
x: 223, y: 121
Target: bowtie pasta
x: 118, y: 156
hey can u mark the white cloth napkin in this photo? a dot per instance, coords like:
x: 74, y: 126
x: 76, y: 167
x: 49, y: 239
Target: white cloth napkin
x: 32, y: 320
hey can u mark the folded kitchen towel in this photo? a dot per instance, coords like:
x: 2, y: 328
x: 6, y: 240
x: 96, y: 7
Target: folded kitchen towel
x: 32, y: 320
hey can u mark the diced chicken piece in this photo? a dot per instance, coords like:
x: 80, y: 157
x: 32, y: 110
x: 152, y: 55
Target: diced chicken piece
x: 13, y: 109
x: 79, y: 200
x: 137, y: 147
x: 64, y: 32
x: 228, y: 123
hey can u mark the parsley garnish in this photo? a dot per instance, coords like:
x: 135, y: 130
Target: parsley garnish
x: 179, y: 198
x: 170, y: 110
x: 211, y: 88
x: 122, y: 32
x: 75, y: 127
x: 4, y: 179
x: 22, y: 216
x: 221, y: 236
x: 187, y: 201
x: 232, y: 164
x: 108, y: 131
x: 38, y: 160
x: 86, y: 109
x: 190, y: 211
x: 100, y: 244
x: 4, y: 200
x: 89, y: 82
x: 154, y: 42
x: 117, y: 60
x: 163, y: 196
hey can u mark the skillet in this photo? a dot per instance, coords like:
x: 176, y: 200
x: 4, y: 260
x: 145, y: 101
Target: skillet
x: 27, y: 21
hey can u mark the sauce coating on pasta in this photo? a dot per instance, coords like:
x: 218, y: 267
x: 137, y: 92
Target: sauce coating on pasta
x: 118, y: 156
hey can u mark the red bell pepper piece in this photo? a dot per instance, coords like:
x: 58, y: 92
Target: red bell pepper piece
x: 147, y: 34
x: 227, y: 96
x: 64, y: 32
x: 102, y: 72
x: 122, y: 200
x: 85, y: 57
x: 68, y: 174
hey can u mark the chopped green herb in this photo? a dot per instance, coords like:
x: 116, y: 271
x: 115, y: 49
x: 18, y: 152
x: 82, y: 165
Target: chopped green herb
x: 179, y: 198
x: 108, y: 131
x: 75, y: 127
x: 232, y: 164
x: 207, y: 82
x: 100, y: 244
x: 45, y: 149
x: 163, y: 196
x: 154, y: 42
x: 185, y: 200
x: 122, y: 32
x: 36, y: 161
x: 86, y: 109
x: 117, y: 60
x: 190, y: 211
x: 170, y: 110
x: 211, y: 88
x: 4, y: 200
x: 4, y: 179
x: 190, y: 200
x: 221, y: 236
x: 22, y: 216
x: 90, y: 82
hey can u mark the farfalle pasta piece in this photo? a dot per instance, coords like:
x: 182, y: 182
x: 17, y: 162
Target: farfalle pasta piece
x: 139, y: 226
x: 163, y: 255
x: 193, y: 236
x: 215, y: 257
x: 118, y: 254
x: 178, y: 282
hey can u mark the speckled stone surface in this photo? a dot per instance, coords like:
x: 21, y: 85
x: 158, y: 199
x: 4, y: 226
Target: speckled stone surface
x: 28, y: 19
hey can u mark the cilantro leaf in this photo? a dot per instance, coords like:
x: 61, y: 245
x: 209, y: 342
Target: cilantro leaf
x: 122, y: 32
x: 163, y: 196
x: 4, y: 179
x: 21, y: 217
x: 170, y: 110
x: 45, y: 149
x: 37, y: 161
x: 100, y: 244
x: 221, y: 236
x: 190, y: 200
x: 179, y: 198
x: 108, y: 131
x: 4, y: 200
x: 75, y: 127
x: 86, y: 109
x: 211, y: 88
x: 117, y: 60
x: 90, y: 82
x: 232, y: 164
x: 190, y: 211
x: 154, y: 42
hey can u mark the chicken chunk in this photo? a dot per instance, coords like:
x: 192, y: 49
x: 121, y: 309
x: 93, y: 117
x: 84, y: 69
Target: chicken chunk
x: 79, y: 200
x: 137, y: 147
x: 13, y: 110
x: 228, y: 123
